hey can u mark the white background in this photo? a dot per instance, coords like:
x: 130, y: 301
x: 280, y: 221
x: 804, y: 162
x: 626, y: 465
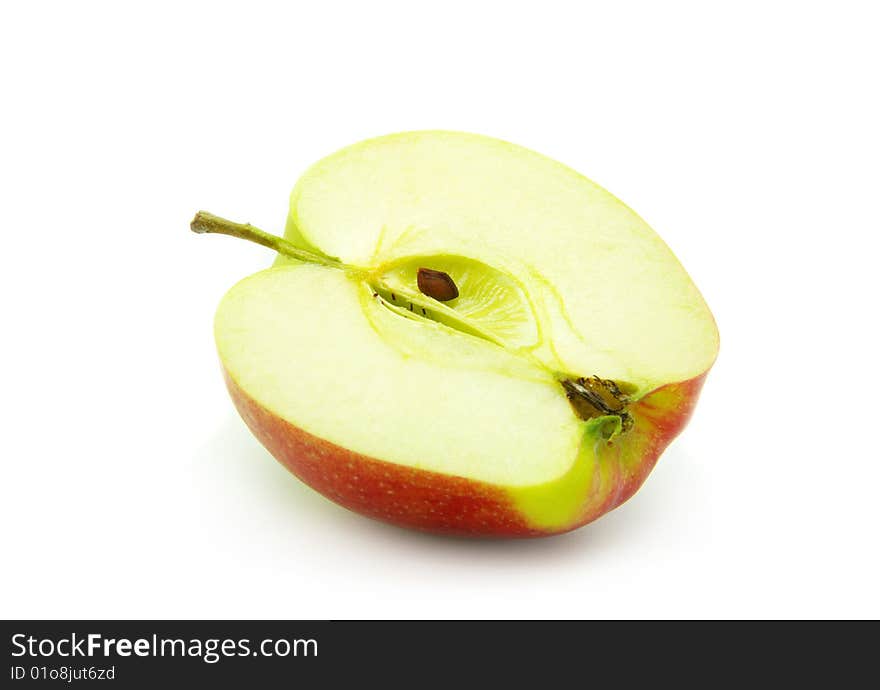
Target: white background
x: 748, y: 138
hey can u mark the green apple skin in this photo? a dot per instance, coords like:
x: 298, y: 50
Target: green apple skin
x: 608, y: 473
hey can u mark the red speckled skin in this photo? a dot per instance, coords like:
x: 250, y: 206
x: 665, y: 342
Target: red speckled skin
x: 445, y: 504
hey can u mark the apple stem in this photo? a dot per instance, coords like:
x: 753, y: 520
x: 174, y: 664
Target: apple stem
x: 205, y: 222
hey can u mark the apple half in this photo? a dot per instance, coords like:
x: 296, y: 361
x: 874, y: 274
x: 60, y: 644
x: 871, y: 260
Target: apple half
x: 463, y: 336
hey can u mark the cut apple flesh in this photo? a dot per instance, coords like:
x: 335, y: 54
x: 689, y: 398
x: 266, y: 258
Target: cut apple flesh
x: 317, y: 349
x: 609, y: 296
x: 572, y: 353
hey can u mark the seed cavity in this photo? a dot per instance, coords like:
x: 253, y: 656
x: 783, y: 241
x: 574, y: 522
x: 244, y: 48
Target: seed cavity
x: 436, y: 284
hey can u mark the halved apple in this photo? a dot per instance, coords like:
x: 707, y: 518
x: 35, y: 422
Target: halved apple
x: 463, y: 336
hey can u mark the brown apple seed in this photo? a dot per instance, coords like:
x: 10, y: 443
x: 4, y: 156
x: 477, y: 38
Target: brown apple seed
x: 437, y: 285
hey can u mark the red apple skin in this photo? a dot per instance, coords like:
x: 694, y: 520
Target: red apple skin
x: 445, y: 504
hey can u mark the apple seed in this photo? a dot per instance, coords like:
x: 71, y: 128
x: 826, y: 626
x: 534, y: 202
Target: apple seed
x: 436, y: 284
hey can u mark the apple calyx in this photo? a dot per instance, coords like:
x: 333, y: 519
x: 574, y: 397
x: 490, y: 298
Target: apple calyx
x: 590, y: 398
x: 596, y: 397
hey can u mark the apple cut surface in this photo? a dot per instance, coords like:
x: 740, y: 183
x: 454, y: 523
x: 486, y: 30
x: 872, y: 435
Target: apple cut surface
x: 318, y: 350
x: 609, y: 295
x: 463, y: 336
